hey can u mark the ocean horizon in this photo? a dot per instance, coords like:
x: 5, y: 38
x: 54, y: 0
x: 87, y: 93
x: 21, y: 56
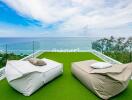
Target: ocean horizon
x: 25, y: 45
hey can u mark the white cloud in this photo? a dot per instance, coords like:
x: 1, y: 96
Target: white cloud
x: 76, y: 14
x: 47, y: 11
x: 21, y: 31
x: 102, y: 17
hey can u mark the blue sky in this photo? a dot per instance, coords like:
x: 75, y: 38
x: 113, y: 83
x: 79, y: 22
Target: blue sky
x: 53, y: 18
x: 11, y: 17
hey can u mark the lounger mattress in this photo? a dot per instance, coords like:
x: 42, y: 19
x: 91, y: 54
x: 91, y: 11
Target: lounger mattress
x: 105, y: 83
x: 27, y: 78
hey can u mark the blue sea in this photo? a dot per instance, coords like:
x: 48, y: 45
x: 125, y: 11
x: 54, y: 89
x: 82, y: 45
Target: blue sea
x: 25, y: 45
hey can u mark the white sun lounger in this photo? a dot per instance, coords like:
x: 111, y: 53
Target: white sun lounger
x: 27, y: 78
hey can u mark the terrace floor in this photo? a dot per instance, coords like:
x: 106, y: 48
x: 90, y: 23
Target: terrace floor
x: 65, y: 87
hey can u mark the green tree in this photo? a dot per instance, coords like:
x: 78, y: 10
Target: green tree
x: 96, y: 46
x: 129, y: 46
x: 111, y: 43
x: 120, y: 44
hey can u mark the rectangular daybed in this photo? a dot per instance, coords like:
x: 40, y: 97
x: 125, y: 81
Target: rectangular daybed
x: 27, y: 78
x: 105, y: 83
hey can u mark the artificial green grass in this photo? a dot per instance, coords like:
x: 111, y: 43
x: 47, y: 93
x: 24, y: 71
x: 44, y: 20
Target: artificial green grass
x: 65, y: 87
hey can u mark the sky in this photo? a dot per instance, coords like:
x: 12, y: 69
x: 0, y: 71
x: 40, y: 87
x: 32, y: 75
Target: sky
x: 65, y: 18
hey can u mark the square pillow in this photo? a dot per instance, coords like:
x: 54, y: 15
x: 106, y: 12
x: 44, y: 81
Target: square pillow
x: 101, y: 65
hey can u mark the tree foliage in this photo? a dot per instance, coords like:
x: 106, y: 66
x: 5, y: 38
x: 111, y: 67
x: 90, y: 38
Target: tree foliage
x: 117, y: 48
x: 10, y: 56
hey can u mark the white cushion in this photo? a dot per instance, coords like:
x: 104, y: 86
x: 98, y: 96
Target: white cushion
x: 100, y: 65
x: 27, y: 78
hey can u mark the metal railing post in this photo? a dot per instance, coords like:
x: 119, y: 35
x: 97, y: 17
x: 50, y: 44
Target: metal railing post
x: 33, y: 49
x: 6, y: 55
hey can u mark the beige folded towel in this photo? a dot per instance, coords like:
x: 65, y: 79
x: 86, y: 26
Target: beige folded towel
x: 37, y: 62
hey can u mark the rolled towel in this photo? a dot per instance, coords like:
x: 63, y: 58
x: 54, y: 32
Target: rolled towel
x: 37, y: 62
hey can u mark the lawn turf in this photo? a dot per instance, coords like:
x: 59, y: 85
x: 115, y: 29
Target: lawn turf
x: 65, y: 87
